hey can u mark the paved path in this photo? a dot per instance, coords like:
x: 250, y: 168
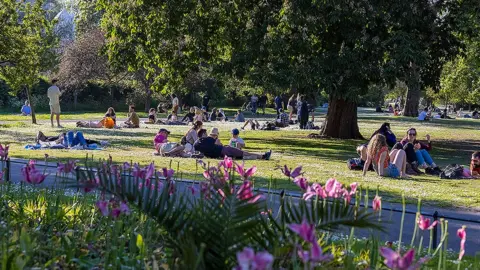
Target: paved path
x: 391, y: 215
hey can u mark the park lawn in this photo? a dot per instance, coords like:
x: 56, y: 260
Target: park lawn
x: 453, y: 142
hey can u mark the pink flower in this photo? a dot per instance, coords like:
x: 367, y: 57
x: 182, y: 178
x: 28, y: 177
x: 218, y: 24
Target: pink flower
x: 396, y: 261
x: 353, y: 188
x: 266, y: 213
x: 32, y: 175
x: 227, y: 162
x: 463, y: 236
x: 305, y: 230
x: 124, y: 208
x: 137, y: 172
x: 245, y: 192
x: 150, y: 171
x: 67, y: 167
x: 424, y: 223
x: 333, y: 188
x: 4, y: 152
x: 301, y: 182
x: 103, y: 207
x: 167, y: 173
x: 248, y: 260
x: 245, y: 174
x: 316, y: 254
x: 293, y: 174
x: 377, y: 203
x: 116, y: 212
x: 314, y: 190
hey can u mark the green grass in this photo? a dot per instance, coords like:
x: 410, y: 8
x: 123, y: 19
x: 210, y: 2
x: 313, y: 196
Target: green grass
x: 453, y: 142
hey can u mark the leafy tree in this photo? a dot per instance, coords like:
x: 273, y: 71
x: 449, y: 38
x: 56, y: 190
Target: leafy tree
x: 27, y: 45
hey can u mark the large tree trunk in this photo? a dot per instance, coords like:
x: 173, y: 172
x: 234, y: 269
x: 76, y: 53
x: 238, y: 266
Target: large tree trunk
x: 413, y: 92
x: 148, y: 100
x: 341, y: 121
x: 29, y: 97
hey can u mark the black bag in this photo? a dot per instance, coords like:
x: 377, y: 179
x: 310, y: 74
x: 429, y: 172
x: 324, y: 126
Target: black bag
x: 184, y: 140
x: 452, y: 171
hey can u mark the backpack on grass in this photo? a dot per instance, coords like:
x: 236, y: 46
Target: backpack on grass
x: 452, y: 171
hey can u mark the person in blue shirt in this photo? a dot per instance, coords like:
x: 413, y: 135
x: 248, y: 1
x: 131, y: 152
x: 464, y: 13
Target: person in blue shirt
x: 278, y: 104
x: 26, y: 109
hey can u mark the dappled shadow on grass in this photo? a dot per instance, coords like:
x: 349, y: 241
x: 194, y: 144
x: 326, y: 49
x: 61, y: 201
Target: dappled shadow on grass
x: 459, y: 152
x: 412, y: 121
x: 339, y: 150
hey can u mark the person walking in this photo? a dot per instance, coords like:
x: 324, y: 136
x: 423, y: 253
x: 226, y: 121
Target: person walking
x: 254, y: 103
x: 205, y: 102
x: 262, y: 102
x: 53, y: 94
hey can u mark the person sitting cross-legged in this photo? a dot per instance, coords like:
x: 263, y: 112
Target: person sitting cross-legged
x: 133, y: 120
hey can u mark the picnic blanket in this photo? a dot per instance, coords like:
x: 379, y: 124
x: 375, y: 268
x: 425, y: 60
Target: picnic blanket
x: 93, y: 146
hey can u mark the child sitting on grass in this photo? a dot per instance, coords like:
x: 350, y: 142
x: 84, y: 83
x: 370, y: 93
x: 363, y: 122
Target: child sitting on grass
x: 236, y: 141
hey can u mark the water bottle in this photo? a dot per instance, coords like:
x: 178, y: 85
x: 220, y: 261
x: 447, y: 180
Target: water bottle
x: 233, y: 143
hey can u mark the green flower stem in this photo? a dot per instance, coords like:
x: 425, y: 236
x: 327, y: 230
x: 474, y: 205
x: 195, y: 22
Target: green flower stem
x: 431, y: 242
x: 401, y: 224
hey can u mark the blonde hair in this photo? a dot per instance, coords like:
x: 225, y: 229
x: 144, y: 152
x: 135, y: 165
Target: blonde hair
x: 198, y: 111
x: 376, y: 143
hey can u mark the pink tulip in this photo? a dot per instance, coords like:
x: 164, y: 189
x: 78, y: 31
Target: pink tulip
x: 314, y: 190
x: 167, y: 173
x: 305, y: 230
x: 301, y: 183
x: 248, y: 260
x: 124, y: 208
x: 4, y: 152
x: 333, y: 188
x: 245, y: 192
x: 66, y: 167
x: 245, y: 174
x: 227, y: 162
x: 138, y: 172
x: 32, y: 175
x: 103, y: 207
x: 396, y: 261
x: 377, y: 203
x: 150, y: 171
x: 463, y: 236
x: 293, y: 174
x: 316, y: 254
x: 424, y: 223
x: 353, y: 188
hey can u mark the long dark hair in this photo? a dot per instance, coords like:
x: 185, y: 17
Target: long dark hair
x: 201, y: 132
x: 195, y: 127
x: 384, y: 128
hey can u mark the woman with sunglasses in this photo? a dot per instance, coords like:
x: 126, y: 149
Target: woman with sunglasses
x: 417, y: 152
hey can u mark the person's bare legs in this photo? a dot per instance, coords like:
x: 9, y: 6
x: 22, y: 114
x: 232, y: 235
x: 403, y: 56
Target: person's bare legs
x: 51, y: 118
x: 399, y: 158
x: 58, y: 120
x: 177, y: 151
x: 246, y: 123
x: 250, y: 156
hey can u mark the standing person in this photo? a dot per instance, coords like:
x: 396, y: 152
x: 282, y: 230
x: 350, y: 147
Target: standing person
x: 205, y: 101
x: 262, y: 102
x: 254, y: 103
x: 291, y: 106
x: 26, y: 110
x: 278, y: 104
x: 53, y: 94
x: 175, y: 104
x: 303, y: 112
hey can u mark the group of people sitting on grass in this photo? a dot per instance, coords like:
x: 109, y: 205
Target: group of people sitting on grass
x: 198, y: 143
x: 406, y: 157
x: 194, y: 114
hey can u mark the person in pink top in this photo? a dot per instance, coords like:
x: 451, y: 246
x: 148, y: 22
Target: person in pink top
x: 165, y: 148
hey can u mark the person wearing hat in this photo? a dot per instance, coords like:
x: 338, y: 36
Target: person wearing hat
x: 211, y: 147
x: 236, y: 141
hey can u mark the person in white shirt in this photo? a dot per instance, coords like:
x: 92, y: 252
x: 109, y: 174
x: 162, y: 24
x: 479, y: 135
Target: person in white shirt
x: 423, y: 116
x: 236, y: 141
x: 53, y: 94
x: 174, y: 103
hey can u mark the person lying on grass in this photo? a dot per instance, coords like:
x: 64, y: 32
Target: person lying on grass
x: 106, y: 122
x: 68, y: 139
x: 211, y: 147
x: 385, y: 164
